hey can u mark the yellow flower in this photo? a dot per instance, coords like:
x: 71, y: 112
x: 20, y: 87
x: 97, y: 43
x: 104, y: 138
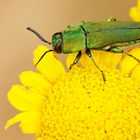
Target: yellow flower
x: 135, y: 12
x: 78, y: 105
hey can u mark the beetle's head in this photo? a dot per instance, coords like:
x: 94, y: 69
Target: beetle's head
x: 57, y: 42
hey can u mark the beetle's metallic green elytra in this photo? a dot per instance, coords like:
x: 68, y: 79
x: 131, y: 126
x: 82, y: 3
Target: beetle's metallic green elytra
x: 108, y: 35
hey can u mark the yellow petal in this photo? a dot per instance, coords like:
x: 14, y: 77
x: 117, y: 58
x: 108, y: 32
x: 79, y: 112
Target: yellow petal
x: 135, y: 14
x: 41, y: 138
x: 49, y: 66
x: 128, y: 63
x: 35, y: 80
x: 23, y: 100
x: 30, y: 122
x: 108, y: 58
x: 85, y: 60
x: 70, y: 58
x: 102, y: 58
x: 136, y: 74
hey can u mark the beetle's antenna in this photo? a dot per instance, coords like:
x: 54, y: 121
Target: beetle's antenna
x: 38, y: 35
x: 43, y: 56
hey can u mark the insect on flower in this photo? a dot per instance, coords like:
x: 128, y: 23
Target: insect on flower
x: 108, y: 35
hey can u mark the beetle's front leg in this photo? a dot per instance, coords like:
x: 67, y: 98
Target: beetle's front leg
x: 118, y: 50
x: 77, y: 58
x: 90, y: 56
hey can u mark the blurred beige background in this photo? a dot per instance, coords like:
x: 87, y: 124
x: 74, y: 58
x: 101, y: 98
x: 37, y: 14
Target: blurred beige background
x: 47, y: 17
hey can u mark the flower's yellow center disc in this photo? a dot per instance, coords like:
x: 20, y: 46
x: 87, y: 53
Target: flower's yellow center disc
x: 82, y: 107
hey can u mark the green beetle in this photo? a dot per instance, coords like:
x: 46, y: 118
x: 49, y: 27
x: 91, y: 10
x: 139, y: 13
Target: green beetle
x: 109, y: 36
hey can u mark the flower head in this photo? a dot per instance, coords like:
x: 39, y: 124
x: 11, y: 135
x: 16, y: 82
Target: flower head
x: 55, y: 104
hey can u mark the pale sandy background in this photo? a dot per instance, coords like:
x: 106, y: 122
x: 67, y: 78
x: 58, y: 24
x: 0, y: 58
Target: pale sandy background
x: 48, y: 17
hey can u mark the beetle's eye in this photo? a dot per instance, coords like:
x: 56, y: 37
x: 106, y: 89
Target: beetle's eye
x: 57, y: 42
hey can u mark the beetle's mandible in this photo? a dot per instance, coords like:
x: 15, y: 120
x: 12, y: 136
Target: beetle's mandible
x: 108, y: 35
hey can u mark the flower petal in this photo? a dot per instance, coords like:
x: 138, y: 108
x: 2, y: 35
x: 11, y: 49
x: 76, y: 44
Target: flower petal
x: 102, y: 58
x: 135, y: 12
x: 49, y: 66
x: 30, y: 122
x: 85, y: 60
x: 128, y: 63
x: 136, y: 74
x: 70, y: 58
x: 41, y: 138
x: 34, y: 80
x: 24, y: 100
x: 108, y: 58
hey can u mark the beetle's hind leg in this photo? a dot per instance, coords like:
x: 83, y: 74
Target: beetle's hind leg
x: 118, y: 50
x: 90, y: 56
x: 77, y: 58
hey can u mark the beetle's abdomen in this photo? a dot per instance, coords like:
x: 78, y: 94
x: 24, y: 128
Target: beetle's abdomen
x: 100, y: 39
x: 106, y: 33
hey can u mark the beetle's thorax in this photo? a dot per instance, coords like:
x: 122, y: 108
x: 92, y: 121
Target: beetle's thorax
x: 73, y: 39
